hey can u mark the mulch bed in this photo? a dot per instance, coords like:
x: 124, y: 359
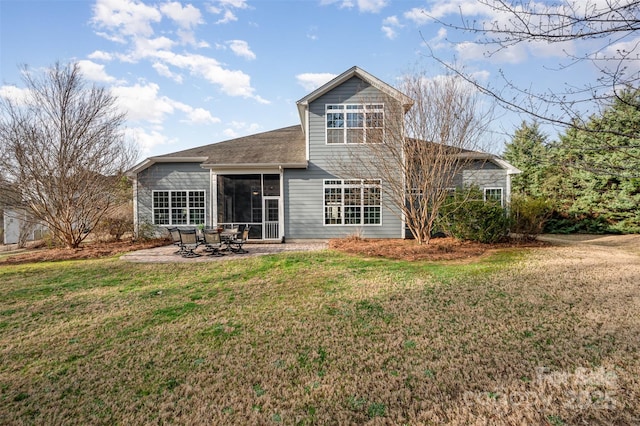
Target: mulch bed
x: 90, y: 250
x: 438, y: 249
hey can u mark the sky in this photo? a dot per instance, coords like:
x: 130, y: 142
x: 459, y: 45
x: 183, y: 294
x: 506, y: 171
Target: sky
x: 190, y: 73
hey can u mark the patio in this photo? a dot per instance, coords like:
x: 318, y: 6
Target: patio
x: 166, y: 254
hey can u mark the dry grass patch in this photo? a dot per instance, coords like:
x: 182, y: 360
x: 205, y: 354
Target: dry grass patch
x: 536, y: 337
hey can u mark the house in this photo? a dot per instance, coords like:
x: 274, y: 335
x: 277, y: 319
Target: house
x: 19, y: 227
x: 285, y: 183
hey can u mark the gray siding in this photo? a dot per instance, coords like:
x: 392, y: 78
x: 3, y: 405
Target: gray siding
x: 304, y: 194
x: 169, y: 177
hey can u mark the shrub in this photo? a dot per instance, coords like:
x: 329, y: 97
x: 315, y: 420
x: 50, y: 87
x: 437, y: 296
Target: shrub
x: 466, y: 216
x: 529, y: 215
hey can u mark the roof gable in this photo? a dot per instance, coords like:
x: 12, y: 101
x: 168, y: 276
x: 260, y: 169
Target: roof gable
x: 385, y: 88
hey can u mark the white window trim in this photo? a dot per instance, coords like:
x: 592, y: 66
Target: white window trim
x: 342, y: 185
x: 484, y: 194
x: 170, y: 191
x: 361, y: 108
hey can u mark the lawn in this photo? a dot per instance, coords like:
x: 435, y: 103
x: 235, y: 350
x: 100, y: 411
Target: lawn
x: 538, y: 336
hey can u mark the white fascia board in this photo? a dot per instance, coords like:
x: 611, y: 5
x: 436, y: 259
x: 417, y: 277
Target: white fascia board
x: 511, y: 170
x: 132, y: 172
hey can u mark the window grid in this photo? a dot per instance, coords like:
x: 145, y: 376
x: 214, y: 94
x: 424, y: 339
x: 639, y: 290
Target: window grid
x: 352, y: 202
x: 494, y: 195
x: 354, y: 123
x: 178, y: 207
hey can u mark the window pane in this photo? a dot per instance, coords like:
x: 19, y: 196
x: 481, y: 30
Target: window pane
x: 196, y: 199
x: 352, y: 197
x: 352, y: 215
x: 335, y: 120
x: 161, y: 216
x: 333, y: 215
x: 335, y: 136
x: 160, y: 199
x: 355, y: 135
x: 375, y: 119
x: 371, y: 196
x: 272, y: 185
x: 178, y: 199
x: 179, y: 216
x: 355, y: 119
x: 371, y: 215
x: 493, y: 195
x: 196, y: 216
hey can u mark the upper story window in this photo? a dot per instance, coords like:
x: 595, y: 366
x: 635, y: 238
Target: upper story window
x: 354, y: 123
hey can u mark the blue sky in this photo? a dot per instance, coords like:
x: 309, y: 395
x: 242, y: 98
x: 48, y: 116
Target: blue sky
x: 195, y: 72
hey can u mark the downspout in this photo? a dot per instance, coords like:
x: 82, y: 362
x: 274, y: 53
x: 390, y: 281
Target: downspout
x: 281, y: 206
x: 136, y: 224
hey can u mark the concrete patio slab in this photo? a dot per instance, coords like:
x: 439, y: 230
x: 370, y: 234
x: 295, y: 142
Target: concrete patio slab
x: 166, y: 254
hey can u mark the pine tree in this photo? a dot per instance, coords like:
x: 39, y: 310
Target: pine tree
x: 528, y: 151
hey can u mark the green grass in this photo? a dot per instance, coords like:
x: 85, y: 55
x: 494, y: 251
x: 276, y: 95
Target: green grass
x: 305, y: 338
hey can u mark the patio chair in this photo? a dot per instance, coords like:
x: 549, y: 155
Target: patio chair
x: 235, y: 243
x: 212, y: 242
x: 189, y: 239
x: 175, y: 238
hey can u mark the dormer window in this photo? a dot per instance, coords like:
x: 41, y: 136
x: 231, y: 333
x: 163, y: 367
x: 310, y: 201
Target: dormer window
x: 354, y: 123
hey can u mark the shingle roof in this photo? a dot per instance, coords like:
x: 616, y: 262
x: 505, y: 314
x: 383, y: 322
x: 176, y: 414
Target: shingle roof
x: 275, y: 147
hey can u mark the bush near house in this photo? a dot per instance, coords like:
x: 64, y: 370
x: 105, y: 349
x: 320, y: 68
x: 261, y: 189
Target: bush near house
x: 466, y: 216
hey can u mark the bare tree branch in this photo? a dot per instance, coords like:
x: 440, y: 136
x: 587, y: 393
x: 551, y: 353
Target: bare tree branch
x: 614, y: 24
x: 63, y: 151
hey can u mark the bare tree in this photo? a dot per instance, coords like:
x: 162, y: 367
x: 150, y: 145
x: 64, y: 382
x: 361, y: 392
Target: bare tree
x: 63, y: 151
x: 608, y: 28
x: 421, y: 152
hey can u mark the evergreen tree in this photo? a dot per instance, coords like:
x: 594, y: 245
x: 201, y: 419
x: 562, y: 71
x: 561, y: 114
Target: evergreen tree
x: 597, y: 182
x: 528, y: 151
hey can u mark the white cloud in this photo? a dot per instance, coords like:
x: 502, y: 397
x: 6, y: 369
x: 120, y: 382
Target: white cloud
x: 225, y: 7
x: 131, y: 21
x: 142, y: 103
x: 164, y: 71
x: 228, y: 16
x: 311, y: 81
x: 95, y: 72
x: 186, y: 17
x: 241, y: 48
x: 370, y: 6
x: 239, y: 128
x: 124, y: 18
x: 469, y: 51
x: 200, y: 116
x: 14, y: 94
x: 231, y: 82
x: 390, y: 25
x: 373, y: 6
x: 101, y: 56
x: 417, y: 15
x: 146, y: 139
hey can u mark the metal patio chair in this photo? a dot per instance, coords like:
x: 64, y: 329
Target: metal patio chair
x: 175, y: 238
x: 189, y: 239
x: 212, y: 242
x: 236, y: 243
